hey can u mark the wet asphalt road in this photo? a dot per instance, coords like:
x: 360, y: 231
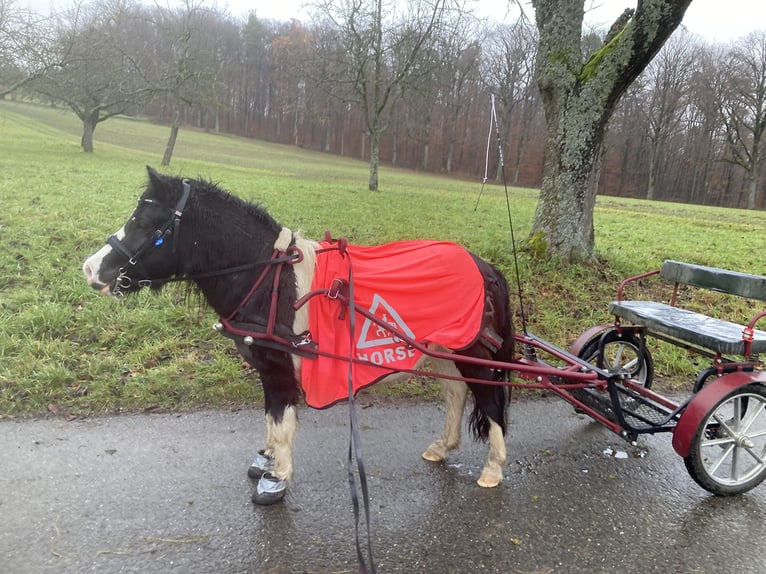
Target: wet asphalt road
x: 169, y: 493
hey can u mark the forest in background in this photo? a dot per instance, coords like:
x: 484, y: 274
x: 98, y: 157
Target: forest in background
x: 689, y: 130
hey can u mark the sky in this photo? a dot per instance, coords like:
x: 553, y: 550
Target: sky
x: 714, y: 20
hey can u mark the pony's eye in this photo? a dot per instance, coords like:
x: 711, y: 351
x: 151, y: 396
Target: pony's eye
x: 159, y: 241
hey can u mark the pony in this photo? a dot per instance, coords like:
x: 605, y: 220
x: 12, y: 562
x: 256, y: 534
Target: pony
x: 260, y: 278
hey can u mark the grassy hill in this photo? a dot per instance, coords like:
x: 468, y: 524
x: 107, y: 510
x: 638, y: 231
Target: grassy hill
x: 65, y: 349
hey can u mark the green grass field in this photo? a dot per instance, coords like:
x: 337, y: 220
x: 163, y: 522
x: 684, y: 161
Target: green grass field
x: 65, y: 349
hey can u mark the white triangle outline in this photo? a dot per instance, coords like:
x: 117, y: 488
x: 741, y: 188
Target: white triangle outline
x: 364, y: 343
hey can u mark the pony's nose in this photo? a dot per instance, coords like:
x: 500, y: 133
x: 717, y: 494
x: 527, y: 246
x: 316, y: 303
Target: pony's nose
x: 88, y: 272
x: 90, y: 276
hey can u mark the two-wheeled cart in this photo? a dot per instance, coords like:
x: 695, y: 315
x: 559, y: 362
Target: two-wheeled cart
x: 720, y: 428
x: 607, y: 374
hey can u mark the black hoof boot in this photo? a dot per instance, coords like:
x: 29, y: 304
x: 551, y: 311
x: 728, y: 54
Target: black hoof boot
x: 270, y: 490
x: 263, y: 463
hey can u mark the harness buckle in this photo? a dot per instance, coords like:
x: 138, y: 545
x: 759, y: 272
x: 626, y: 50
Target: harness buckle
x: 305, y: 339
x: 335, y: 289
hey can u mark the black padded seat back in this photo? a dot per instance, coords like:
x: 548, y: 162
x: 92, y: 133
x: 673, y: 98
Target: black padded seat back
x: 714, y: 279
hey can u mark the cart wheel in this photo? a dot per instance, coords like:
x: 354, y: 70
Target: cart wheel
x: 728, y: 453
x: 622, y: 354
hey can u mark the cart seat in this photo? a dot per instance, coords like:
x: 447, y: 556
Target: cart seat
x: 684, y: 325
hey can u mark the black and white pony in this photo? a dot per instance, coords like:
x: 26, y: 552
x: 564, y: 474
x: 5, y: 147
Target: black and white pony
x: 253, y: 271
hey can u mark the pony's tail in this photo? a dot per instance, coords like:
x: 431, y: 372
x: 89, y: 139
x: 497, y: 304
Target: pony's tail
x: 491, y: 401
x: 492, y: 406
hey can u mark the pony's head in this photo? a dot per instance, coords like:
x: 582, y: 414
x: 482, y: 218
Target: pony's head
x: 143, y: 250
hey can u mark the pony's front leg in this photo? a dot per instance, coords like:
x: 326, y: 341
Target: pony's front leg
x: 264, y: 458
x: 272, y: 484
x: 454, y: 394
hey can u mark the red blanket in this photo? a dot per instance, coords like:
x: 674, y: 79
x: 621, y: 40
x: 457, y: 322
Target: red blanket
x: 431, y: 291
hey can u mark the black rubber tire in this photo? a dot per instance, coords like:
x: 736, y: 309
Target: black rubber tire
x: 717, y: 449
x: 621, y: 354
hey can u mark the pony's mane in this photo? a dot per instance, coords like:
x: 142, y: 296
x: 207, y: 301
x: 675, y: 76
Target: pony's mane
x: 210, y: 188
x: 217, y: 208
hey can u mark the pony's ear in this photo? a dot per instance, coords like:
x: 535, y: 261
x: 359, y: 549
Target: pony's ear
x: 156, y: 180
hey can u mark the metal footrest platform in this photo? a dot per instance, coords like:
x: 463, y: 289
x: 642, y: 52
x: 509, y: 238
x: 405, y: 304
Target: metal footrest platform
x: 636, y: 413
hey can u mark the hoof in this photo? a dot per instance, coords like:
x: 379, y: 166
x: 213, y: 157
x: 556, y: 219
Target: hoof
x: 261, y: 465
x: 436, y: 452
x: 432, y: 456
x: 488, y: 480
x: 270, y: 490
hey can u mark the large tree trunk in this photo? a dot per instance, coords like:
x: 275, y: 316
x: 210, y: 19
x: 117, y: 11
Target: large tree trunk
x: 579, y: 95
x: 374, y: 159
x: 752, y: 192
x: 89, y: 123
x: 564, y: 217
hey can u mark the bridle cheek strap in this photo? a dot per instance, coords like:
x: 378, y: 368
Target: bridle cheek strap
x: 158, y: 237
x: 118, y: 245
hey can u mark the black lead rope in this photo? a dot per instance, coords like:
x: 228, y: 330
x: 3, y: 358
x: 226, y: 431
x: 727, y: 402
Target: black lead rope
x: 493, y: 121
x: 354, y: 445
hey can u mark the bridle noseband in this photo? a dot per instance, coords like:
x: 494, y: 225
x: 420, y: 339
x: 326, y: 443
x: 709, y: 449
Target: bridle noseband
x: 169, y: 229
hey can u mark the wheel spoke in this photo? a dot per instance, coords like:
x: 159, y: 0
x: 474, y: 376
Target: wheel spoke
x: 755, y: 455
x: 719, y: 442
x: 717, y: 464
x: 750, y: 420
x: 617, y: 360
x: 724, y: 424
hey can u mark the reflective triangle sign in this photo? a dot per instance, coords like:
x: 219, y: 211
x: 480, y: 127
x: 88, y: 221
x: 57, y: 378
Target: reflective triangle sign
x: 373, y: 335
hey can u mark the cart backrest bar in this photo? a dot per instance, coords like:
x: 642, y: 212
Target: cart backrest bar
x: 722, y: 280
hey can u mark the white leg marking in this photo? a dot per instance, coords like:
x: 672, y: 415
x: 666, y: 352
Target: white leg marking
x: 492, y: 473
x: 284, y: 439
x: 269, y: 450
x: 454, y: 394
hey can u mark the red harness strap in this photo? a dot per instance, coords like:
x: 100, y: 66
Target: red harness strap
x: 270, y: 335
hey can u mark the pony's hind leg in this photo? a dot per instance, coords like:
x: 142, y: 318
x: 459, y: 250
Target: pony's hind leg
x: 492, y: 473
x: 488, y: 423
x: 454, y: 394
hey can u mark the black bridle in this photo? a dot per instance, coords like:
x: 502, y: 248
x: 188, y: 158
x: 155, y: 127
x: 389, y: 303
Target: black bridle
x: 157, y: 238
x: 168, y: 231
x: 160, y: 234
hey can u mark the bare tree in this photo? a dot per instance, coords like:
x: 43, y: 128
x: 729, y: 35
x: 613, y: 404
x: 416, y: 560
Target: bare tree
x: 96, y: 78
x: 383, y: 42
x: 509, y: 60
x: 26, y: 47
x: 579, y: 93
x: 187, y: 62
x: 744, y: 110
x: 665, y: 99
x: 704, y: 130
